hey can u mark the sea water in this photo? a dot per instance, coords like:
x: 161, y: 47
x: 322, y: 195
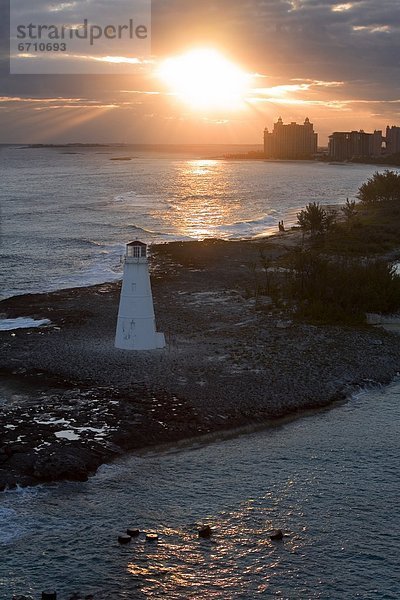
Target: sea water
x: 330, y: 481
x: 67, y: 213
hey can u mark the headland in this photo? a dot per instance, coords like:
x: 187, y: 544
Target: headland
x: 232, y: 360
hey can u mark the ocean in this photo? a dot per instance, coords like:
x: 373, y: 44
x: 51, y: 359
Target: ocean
x: 66, y: 213
x: 329, y: 480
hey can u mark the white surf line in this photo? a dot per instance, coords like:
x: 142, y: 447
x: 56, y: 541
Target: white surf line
x: 22, y: 323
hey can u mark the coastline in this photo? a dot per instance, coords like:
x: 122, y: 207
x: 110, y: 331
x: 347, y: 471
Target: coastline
x: 229, y: 365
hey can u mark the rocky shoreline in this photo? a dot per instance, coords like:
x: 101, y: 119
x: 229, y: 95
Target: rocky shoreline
x: 73, y: 401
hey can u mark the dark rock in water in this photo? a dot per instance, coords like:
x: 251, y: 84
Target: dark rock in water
x: 277, y: 534
x: 63, y: 463
x: 133, y: 532
x: 49, y: 595
x: 205, y: 532
x: 124, y: 539
x: 151, y: 537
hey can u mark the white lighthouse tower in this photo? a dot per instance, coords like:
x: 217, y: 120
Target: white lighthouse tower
x: 136, y: 326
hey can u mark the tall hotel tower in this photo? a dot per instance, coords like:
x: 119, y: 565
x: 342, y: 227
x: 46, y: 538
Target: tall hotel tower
x: 291, y: 141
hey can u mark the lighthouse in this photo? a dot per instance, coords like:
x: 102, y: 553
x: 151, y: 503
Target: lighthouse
x: 136, y: 325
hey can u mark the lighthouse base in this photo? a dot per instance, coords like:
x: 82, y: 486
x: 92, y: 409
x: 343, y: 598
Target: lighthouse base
x: 129, y: 338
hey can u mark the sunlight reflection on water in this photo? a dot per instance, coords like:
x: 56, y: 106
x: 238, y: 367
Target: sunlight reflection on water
x: 328, y: 481
x: 78, y: 211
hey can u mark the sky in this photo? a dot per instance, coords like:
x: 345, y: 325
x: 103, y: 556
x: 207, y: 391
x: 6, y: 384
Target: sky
x: 336, y: 62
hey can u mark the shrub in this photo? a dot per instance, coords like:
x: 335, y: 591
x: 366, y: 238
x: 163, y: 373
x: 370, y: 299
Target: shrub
x: 381, y: 187
x: 349, y: 210
x: 315, y: 219
x: 342, y: 289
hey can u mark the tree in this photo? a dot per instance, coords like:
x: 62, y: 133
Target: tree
x: 381, y: 187
x: 315, y: 219
x: 349, y: 210
x: 341, y: 289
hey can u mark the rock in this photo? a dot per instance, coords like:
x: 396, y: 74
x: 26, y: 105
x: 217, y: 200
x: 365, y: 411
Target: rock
x: 151, y: 537
x: 284, y: 324
x: 64, y: 462
x: 15, y: 448
x: 277, y: 534
x: 49, y: 595
x: 205, y: 532
x: 133, y: 532
x: 373, y: 318
x: 124, y: 539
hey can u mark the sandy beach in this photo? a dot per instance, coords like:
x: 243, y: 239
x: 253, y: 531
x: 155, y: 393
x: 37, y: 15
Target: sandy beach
x: 229, y: 362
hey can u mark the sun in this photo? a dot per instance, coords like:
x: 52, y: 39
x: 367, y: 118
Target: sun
x: 205, y: 80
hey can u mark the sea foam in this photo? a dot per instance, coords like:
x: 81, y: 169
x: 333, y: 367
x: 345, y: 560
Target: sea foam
x: 22, y: 323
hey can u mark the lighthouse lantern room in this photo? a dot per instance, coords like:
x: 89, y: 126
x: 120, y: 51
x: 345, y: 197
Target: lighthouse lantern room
x: 136, y: 326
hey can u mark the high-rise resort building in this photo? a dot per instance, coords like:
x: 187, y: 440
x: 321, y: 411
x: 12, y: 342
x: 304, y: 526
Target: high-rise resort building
x: 291, y: 142
x: 347, y: 145
x: 392, y: 140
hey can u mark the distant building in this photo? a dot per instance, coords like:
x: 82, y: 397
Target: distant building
x: 291, y: 141
x: 392, y: 140
x: 347, y: 145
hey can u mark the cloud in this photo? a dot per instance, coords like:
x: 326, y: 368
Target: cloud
x: 342, y: 7
x: 373, y: 28
x: 62, y: 7
x: 323, y: 56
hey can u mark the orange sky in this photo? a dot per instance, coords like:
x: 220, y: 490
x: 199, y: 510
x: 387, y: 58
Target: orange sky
x: 335, y: 62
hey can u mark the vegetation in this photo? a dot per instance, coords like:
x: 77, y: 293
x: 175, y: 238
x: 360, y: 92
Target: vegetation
x: 343, y: 273
x: 343, y: 289
x: 369, y: 227
x: 315, y: 219
x: 381, y: 187
x: 349, y: 211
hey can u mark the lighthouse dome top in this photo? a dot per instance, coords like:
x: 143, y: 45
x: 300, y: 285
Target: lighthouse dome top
x: 136, y: 243
x: 136, y: 249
